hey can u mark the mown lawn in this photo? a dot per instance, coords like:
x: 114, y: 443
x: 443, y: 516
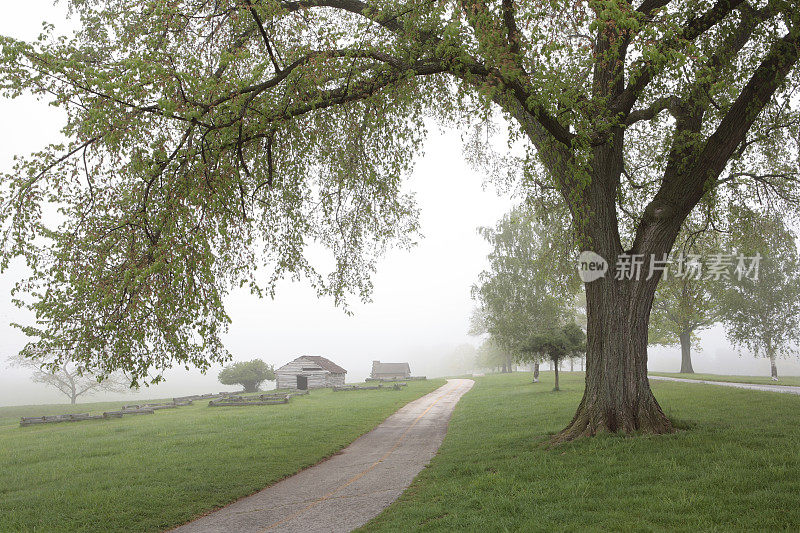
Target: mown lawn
x: 151, y: 472
x: 735, y: 465
x: 758, y: 380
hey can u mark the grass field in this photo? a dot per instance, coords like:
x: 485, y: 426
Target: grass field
x: 151, y: 472
x: 758, y: 380
x: 734, y: 466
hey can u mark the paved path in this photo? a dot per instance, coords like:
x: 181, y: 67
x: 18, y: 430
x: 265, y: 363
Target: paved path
x: 786, y: 389
x: 350, y: 488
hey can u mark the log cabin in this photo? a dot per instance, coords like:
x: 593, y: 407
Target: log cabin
x: 390, y: 370
x: 310, y: 372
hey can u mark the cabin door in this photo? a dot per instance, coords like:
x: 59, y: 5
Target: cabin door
x: 302, y: 382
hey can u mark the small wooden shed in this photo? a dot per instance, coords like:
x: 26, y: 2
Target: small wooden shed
x: 310, y: 372
x: 390, y: 370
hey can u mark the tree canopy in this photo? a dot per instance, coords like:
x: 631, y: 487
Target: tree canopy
x: 248, y: 374
x: 556, y: 344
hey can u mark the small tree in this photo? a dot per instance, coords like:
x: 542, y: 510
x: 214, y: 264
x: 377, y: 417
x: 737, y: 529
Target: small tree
x: 249, y: 374
x: 558, y: 343
x: 70, y: 379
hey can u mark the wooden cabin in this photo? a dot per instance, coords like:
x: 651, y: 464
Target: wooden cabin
x: 310, y: 372
x: 390, y: 370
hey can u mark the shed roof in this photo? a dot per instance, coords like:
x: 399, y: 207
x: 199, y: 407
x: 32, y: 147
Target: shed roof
x: 322, y: 362
x: 327, y: 364
x: 390, y: 368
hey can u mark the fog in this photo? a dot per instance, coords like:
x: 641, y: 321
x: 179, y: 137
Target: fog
x: 421, y: 302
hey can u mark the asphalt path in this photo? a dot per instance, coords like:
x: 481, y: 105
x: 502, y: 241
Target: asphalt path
x: 786, y: 389
x: 352, y: 487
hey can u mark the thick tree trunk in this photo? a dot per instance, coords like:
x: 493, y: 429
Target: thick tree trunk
x: 536, y: 373
x: 686, y: 353
x: 556, y: 387
x: 73, y: 399
x: 773, y: 366
x: 617, y: 397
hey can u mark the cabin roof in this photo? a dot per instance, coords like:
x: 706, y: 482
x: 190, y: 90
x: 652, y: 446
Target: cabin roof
x: 327, y: 364
x: 322, y: 362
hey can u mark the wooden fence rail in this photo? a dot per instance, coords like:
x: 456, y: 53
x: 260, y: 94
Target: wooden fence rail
x: 245, y: 402
x: 132, y: 409
x: 393, y: 380
x: 395, y: 386
x: 262, y: 399
x: 222, y: 399
x: 79, y: 417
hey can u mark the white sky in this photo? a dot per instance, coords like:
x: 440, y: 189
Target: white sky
x: 421, y: 302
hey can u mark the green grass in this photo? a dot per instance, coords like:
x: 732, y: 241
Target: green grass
x: 758, y: 380
x: 151, y: 472
x: 735, y: 465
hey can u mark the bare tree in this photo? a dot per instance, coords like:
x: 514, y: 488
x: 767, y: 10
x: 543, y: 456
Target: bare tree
x: 70, y: 379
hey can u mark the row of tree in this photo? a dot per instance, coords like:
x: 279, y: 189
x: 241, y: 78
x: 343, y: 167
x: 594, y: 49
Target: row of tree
x: 529, y: 300
x: 760, y: 312
x: 530, y: 304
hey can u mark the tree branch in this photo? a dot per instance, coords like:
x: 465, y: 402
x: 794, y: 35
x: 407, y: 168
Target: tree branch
x: 733, y: 128
x: 352, y: 6
x: 645, y: 71
x: 687, y: 176
x: 509, y: 19
x: 668, y: 102
x: 264, y: 36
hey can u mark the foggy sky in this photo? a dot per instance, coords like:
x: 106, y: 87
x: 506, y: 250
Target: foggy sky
x: 421, y: 303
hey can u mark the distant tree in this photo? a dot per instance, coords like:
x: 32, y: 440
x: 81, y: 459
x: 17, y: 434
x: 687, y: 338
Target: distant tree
x: 530, y: 283
x: 686, y: 300
x: 556, y: 344
x: 461, y: 360
x: 70, y: 379
x: 763, y: 314
x: 491, y: 355
x: 249, y: 374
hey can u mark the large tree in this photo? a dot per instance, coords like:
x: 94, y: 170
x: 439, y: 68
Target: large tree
x: 687, y: 299
x: 761, y: 310
x: 205, y: 136
x: 530, y: 283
